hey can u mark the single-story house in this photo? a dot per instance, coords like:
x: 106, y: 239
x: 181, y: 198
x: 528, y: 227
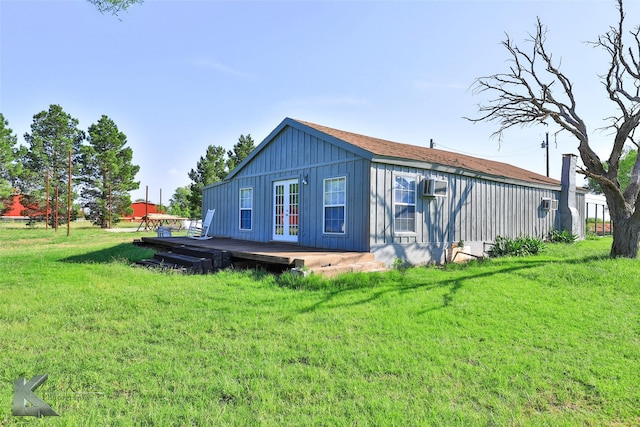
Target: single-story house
x: 325, y: 188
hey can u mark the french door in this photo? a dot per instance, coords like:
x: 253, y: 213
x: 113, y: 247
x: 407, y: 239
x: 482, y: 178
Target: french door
x: 286, y: 198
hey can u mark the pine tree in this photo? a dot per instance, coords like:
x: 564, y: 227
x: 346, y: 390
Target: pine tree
x: 8, y: 166
x: 209, y: 169
x: 54, y: 134
x: 107, y: 173
x: 240, y: 151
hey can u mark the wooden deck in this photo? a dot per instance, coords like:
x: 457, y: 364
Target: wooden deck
x: 283, y: 254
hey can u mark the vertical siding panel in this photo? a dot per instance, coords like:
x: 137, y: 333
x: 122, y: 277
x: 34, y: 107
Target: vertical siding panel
x: 478, y: 210
x: 474, y: 209
x: 388, y: 194
x: 498, y: 212
x: 486, y: 211
x: 530, y: 212
x: 508, y: 232
x: 515, y: 215
x: 467, y: 208
x: 527, y: 212
x: 483, y: 214
x: 492, y: 208
x: 374, y: 226
x: 456, y: 208
x: 504, y: 206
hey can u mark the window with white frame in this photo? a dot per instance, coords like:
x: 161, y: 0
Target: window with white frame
x: 404, y: 204
x: 246, y: 208
x: 334, y: 201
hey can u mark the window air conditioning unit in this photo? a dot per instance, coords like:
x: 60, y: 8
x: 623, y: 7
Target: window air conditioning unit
x: 549, y: 204
x: 433, y: 187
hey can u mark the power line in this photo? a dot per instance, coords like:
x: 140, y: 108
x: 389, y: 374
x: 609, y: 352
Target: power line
x: 519, y: 153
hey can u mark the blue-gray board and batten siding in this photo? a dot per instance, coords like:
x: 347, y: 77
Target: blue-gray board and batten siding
x: 476, y: 208
x: 474, y: 211
x: 294, y: 154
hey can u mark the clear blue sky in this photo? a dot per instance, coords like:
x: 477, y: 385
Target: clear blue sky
x: 177, y: 76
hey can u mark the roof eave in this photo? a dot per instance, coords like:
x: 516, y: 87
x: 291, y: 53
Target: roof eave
x: 462, y: 171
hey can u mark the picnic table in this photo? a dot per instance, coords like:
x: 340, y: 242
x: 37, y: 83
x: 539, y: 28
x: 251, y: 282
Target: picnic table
x: 154, y: 221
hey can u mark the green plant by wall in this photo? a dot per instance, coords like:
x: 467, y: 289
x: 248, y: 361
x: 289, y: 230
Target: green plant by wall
x: 564, y: 236
x: 399, y: 264
x: 519, y: 246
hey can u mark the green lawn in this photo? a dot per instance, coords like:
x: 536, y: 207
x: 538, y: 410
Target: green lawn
x: 546, y: 340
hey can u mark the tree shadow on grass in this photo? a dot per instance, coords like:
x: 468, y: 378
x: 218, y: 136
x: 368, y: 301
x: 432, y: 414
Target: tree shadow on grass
x: 404, y: 284
x: 123, y: 251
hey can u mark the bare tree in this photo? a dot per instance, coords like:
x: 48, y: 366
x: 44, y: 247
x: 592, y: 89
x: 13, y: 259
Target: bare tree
x: 535, y: 91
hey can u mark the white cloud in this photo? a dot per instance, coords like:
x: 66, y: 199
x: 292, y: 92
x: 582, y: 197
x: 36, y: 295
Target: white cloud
x: 222, y: 68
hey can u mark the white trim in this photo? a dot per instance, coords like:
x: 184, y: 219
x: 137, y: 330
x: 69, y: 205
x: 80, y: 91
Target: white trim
x: 286, y: 225
x: 343, y: 205
x: 394, y: 203
x: 240, y: 209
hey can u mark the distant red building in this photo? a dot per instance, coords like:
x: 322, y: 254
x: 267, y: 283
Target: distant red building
x: 140, y: 209
x: 16, y: 210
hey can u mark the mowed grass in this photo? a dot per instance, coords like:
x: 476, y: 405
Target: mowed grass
x: 546, y: 340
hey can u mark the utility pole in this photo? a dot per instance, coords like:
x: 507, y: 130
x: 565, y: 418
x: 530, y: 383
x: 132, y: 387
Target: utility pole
x: 545, y: 144
x: 46, y: 222
x: 69, y: 197
x: 110, y: 206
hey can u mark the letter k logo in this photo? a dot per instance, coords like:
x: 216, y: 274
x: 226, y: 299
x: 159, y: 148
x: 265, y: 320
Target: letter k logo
x: 26, y: 403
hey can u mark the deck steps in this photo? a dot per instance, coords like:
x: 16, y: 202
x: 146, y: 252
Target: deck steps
x: 189, y: 260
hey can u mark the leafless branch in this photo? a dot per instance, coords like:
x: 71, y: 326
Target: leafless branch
x: 533, y: 91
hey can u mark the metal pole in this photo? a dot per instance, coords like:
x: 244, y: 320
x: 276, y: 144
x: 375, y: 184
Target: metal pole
x: 110, y: 205
x: 547, y: 145
x: 55, y: 213
x: 146, y: 209
x: 46, y: 219
x: 69, y: 198
x: 586, y: 216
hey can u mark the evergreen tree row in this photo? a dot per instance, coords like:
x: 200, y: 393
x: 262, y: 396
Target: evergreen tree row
x: 101, y: 168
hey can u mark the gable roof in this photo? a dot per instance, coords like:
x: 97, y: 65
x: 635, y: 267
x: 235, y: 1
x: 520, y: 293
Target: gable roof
x: 380, y: 150
x: 390, y: 150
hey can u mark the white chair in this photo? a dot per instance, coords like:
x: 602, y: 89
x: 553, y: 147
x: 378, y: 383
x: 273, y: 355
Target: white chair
x: 200, y: 230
